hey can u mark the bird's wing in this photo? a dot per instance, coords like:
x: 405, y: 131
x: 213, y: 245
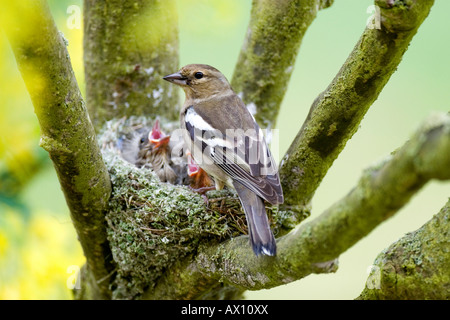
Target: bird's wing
x: 238, y: 147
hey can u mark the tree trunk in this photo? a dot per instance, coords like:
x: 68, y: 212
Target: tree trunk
x: 128, y: 47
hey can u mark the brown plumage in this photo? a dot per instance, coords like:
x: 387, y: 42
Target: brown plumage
x: 199, y: 180
x: 228, y: 144
x: 154, y: 151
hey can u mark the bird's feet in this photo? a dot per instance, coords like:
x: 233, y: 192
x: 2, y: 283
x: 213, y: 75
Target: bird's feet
x: 202, y: 191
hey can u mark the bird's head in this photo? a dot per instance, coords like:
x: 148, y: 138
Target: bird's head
x: 192, y: 168
x: 156, y: 137
x: 199, y: 80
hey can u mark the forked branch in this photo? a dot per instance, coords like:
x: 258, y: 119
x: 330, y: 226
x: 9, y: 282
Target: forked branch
x: 338, y: 111
x: 267, y: 57
x: 313, y: 247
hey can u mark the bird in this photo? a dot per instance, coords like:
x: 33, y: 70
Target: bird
x: 129, y: 144
x: 199, y: 180
x: 154, y: 150
x: 226, y: 141
x: 178, y: 157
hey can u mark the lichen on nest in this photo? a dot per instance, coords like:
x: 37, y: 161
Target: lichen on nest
x: 151, y: 224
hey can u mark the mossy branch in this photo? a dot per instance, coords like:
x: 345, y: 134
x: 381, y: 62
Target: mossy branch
x: 267, y: 57
x: 128, y: 47
x: 153, y: 225
x: 416, y: 266
x: 314, y: 247
x: 338, y: 111
x: 66, y: 131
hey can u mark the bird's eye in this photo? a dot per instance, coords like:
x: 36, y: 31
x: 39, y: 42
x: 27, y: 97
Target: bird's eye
x: 198, y: 75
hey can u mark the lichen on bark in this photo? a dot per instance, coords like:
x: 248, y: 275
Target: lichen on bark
x: 416, y: 266
x: 337, y: 112
x: 128, y: 47
x: 267, y: 57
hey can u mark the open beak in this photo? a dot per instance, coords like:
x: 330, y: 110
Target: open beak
x: 157, y: 137
x: 158, y: 143
x: 156, y: 132
x: 193, y: 168
x: 176, y: 78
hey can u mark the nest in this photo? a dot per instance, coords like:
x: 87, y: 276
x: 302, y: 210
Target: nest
x: 151, y: 224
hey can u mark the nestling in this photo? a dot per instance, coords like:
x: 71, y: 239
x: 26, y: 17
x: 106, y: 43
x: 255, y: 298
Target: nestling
x: 199, y: 180
x: 228, y: 144
x: 155, y: 151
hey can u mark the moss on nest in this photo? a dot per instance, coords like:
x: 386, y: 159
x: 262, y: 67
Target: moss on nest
x: 151, y: 224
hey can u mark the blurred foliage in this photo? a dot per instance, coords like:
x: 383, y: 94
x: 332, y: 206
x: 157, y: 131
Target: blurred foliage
x: 35, y: 256
x: 37, y: 240
x: 20, y: 156
x: 18, y: 126
x: 218, y: 15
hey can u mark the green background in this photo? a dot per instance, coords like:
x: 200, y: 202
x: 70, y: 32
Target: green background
x: 37, y: 241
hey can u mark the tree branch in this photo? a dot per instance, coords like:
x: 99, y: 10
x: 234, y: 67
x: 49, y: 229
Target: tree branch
x: 338, y: 111
x: 416, y: 266
x: 314, y: 246
x: 128, y: 47
x: 267, y: 57
x: 66, y: 132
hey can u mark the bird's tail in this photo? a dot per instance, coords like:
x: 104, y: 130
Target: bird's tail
x: 261, y: 237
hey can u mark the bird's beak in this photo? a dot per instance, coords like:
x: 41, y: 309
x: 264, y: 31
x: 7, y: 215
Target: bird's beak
x: 176, y: 78
x: 193, y: 168
x: 157, y: 137
x: 158, y: 143
x: 156, y: 132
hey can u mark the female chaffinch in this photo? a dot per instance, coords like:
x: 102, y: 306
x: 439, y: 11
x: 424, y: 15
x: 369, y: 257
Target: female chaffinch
x: 228, y: 144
